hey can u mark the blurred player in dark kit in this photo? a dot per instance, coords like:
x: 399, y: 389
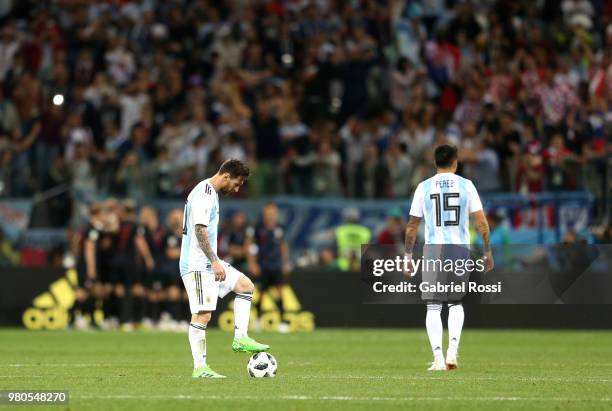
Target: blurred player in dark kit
x: 153, y: 233
x: 171, y: 285
x: 268, y: 255
x: 131, y: 248
x: 89, y: 287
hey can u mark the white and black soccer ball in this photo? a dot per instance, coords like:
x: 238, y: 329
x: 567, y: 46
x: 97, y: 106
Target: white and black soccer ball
x: 262, y: 365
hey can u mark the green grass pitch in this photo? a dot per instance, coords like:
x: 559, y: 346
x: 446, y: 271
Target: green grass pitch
x: 324, y: 370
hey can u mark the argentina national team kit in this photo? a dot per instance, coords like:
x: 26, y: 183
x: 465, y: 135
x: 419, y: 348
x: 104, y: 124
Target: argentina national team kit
x: 445, y: 201
x: 202, y: 207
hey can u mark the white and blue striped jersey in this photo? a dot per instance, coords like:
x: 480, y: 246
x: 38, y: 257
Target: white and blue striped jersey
x: 201, y: 207
x: 446, y: 201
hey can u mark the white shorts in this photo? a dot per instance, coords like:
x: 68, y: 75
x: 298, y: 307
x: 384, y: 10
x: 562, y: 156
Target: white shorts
x: 203, y: 291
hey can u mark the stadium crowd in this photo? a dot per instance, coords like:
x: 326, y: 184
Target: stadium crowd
x: 145, y: 98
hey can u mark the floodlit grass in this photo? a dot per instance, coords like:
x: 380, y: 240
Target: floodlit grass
x: 326, y: 369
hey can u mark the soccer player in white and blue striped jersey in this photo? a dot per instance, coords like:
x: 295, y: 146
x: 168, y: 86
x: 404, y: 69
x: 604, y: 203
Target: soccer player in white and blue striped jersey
x: 206, y: 277
x: 446, y: 202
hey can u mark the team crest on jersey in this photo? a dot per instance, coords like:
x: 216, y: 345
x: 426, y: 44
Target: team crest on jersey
x: 278, y: 233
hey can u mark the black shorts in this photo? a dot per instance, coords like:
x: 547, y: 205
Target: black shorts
x: 81, y: 269
x: 271, y: 278
x: 167, y: 274
x: 125, y: 271
x: 135, y: 274
x: 104, y: 273
x: 108, y: 275
x: 106, y: 270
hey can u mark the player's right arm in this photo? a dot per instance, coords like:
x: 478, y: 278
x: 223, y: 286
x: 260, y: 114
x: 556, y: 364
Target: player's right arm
x: 412, y: 228
x: 90, y: 254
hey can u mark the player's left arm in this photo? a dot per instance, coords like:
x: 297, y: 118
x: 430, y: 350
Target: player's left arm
x: 416, y: 214
x: 481, y: 224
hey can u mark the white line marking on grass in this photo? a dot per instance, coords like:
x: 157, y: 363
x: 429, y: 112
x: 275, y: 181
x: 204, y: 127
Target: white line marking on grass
x: 78, y: 365
x: 325, y: 398
x: 455, y: 377
x: 107, y: 364
x: 23, y: 376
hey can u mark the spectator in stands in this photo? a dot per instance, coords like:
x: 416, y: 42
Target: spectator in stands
x: 481, y: 165
x: 326, y: 170
x: 402, y: 81
x: 400, y: 169
x: 557, y: 158
x: 10, y: 124
x: 372, y: 176
x: 131, y: 178
x: 6, y: 170
x: 354, y: 140
x: 393, y: 233
x: 59, y: 206
x: 531, y: 171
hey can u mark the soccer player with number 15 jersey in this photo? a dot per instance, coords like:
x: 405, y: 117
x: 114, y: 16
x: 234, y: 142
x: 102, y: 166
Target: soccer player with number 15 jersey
x: 446, y: 202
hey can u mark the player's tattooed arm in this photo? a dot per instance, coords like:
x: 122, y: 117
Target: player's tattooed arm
x: 486, y: 236
x: 482, y: 226
x: 202, y: 236
x: 411, y: 233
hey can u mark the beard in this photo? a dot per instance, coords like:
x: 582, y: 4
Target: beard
x: 224, y: 191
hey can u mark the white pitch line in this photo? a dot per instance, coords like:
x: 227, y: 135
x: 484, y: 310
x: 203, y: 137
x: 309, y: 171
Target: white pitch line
x: 505, y: 364
x: 23, y: 376
x: 76, y: 365
x: 327, y: 398
x: 454, y: 377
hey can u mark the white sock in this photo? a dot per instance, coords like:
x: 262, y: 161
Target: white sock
x: 455, y: 324
x: 433, y: 322
x: 197, y: 341
x: 242, y: 312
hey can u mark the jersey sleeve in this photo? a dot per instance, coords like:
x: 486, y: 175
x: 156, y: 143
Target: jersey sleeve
x: 474, y: 203
x: 250, y: 232
x: 201, y: 208
x: 141, y: 230
x: 416, y: 208
x: 93, y: 234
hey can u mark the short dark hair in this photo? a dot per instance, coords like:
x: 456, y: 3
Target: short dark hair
x: 445, y: 155
x: 235, y: 168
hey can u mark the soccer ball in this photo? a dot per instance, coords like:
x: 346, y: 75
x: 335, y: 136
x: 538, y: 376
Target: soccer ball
x: 262, y: 365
